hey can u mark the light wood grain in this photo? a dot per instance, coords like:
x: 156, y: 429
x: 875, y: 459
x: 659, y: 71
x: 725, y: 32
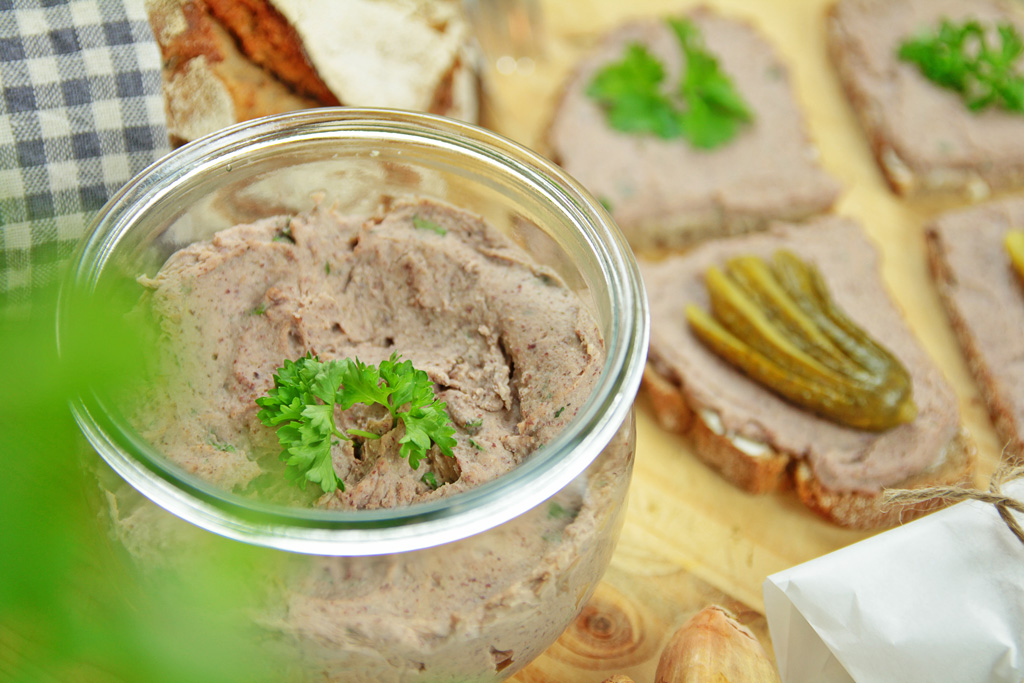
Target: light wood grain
x: 690, y: 538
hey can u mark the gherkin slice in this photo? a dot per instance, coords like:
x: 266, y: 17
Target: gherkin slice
x: 777, y: 323
x: 808, y: 290
x: 760, y: 283
x: 1014, y: 242
x: 741, y: 315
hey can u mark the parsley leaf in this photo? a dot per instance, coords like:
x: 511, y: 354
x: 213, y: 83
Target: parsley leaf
x: 304, y: 427
x: 222, y: 446
x: 285, y: 235
x: 969, y: 59
x: 715, y: 110
x: 705, y: 108
x: 556, y: 511
x: 305, y: 392
x: 426, y: 224
x: 629, y: 92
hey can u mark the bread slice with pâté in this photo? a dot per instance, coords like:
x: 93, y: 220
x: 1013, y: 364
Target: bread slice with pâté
x: 924, y: 137
x: 663, y: 188
x: 984, y: 298
x: 763, y: 442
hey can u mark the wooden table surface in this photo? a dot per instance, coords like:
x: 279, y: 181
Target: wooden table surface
x: 690, y: 538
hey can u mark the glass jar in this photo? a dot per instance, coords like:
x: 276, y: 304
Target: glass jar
x: 470, y: 587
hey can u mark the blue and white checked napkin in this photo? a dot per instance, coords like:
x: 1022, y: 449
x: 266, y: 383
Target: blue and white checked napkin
x: 81, y: 112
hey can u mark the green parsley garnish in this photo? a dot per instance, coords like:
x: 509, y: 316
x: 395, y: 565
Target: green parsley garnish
x: 715, y: 109
x: 430, y: 480
x: 427, y: 224
x: 629, y: 93
x: 301, y: 407
x: 474, y: 426
x: 259, y: 310
x: 474, y: 444
x: 705, y: 108
x: 219, y: 445
x: 556, y: 511
x: 984, y: 67
x: 285, y: 235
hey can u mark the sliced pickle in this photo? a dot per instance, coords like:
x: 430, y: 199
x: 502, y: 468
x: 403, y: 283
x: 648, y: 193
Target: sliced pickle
x: 778, y: 324
x: 1014, y: 242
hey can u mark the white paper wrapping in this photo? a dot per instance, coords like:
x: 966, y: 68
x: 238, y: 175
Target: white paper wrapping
x: 938, y: 599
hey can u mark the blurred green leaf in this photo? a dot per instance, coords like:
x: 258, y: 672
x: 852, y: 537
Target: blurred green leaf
x: 73, y: 606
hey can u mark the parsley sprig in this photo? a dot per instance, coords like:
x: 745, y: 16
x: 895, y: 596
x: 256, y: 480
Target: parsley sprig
x: 301, y: 407
x: 630, y: 94
x: 705, y: 108
x: 969, y: 59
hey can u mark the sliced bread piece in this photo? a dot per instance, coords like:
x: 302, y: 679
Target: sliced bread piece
x: 985, y: 302
x: 665, y: 192
x: 227, y: 61
x: 208, y: 83
x: 761, y: 442
x: 924, y: 138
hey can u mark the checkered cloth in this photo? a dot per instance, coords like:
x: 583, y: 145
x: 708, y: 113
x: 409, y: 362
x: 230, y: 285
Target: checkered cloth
x: 81, y: 112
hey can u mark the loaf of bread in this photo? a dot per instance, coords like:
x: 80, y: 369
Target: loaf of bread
x: 984, y: 298
x: 226, y: 61
x: 924, y: 138
x: 762, y: 442
x: 666, y: 192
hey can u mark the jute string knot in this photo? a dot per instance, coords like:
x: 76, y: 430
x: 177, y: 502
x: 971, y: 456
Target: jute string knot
x: 955, y: 494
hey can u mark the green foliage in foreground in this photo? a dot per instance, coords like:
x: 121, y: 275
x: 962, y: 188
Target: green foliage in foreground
x: 72, y: 606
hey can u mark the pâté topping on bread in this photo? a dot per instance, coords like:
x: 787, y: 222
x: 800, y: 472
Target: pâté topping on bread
x: 717, y: 143
x: 936, y: 85
x: 704, y: 107
x: 763, y: 442
x: 975, y: 256
x: 979, y: 60
x: 778, y: 324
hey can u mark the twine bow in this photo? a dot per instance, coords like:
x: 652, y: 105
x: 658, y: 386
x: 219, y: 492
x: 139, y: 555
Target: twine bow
x: 955, y: 494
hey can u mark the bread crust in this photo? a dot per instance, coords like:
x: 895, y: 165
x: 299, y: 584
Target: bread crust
x: 227, y: 61
x: 774, y: 471
x: 208, y: 83
x: 756, y: 474
x: 856, y: 510
x: 268, y: 40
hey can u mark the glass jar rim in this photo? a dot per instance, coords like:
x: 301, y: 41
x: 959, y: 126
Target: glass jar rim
x: 373, y: 532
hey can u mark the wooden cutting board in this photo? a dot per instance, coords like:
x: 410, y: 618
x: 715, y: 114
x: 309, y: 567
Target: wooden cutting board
x: 690, y: 538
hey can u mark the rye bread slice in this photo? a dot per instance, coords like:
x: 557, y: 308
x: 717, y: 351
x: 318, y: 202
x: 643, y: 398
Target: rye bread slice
x: 226, y: 61
x: 668, y: 193
x: 923, y: 137
x: 208, y: 83
x: 761, y: 442
x: 984, y: 299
